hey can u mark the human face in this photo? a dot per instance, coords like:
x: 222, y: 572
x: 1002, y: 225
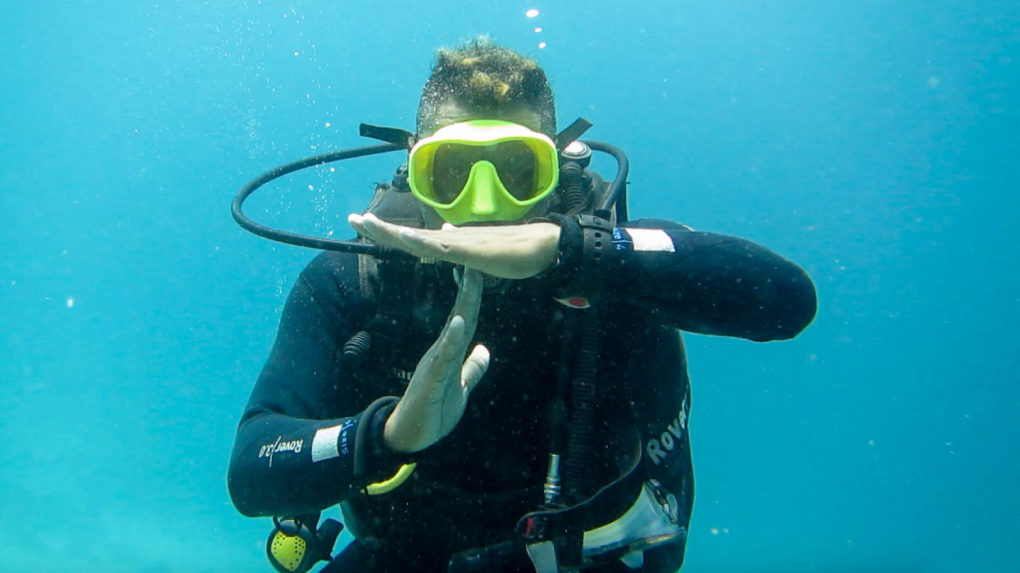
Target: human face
x: 452, y: 111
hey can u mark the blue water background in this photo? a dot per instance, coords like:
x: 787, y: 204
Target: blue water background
x: 873, y: 142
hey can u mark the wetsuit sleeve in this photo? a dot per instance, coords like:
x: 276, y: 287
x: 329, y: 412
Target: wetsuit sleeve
x: 298, y: 437
x: 699, y: 282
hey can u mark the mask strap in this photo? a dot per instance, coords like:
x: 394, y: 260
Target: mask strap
x: 393, y: 135
x: 571, y: 133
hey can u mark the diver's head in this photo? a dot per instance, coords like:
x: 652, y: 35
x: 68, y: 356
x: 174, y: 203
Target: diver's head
x: 485, y: 125
x: 481, y: 80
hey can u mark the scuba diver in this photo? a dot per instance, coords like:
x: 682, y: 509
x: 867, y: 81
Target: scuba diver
x: 492, y: 377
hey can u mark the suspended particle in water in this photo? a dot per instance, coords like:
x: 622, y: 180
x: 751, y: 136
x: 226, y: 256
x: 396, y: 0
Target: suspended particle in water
x: 541, y: 45
x: 70, y: 302
x: 531, y: 13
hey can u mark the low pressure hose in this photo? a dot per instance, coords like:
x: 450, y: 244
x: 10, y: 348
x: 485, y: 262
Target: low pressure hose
x: 356, y: 346
x: 577, y: 474
x: 572, y: 182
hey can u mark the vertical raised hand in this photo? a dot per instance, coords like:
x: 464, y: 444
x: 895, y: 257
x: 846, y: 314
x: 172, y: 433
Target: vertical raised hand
x: 435, y: 399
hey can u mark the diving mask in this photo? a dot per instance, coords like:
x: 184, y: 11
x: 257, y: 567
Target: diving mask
x: 483, y: 170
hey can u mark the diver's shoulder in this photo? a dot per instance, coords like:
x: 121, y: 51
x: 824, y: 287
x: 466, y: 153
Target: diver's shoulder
x: 330, y: 270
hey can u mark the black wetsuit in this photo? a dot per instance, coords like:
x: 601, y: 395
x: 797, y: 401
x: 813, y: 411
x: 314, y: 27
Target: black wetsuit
x: 296, y: 441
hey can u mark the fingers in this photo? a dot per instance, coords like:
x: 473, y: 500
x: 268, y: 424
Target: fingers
x: 377, y: 230
x: 452, y: 343
x: 418, y: 242
x: 474, y: 367
x: 447, y: 352
x: 423, y: 244
x: 437, y: 370
x: 354, y: 220
x: 469, y: 300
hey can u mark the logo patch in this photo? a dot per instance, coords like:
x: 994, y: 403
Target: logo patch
x: 658, y: 449
x: 269, y: 450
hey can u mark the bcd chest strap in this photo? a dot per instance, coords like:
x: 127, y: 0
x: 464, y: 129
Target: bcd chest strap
x: 553, y: 539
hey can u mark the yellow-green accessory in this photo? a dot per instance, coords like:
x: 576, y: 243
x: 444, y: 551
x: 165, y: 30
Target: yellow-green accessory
x: 386, y: 486
x: 288, y: 551
x: 296, y: 544
x: 483, y: 170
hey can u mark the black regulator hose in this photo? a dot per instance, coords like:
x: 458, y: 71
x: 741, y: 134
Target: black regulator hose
x: 617, y: 195
x: 236, y: 207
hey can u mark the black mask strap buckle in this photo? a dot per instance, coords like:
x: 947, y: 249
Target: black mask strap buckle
x: 394, y: 135
x: 572, y: 133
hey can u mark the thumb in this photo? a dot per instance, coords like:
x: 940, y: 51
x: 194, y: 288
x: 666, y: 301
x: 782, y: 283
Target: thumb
x: 474, y: 367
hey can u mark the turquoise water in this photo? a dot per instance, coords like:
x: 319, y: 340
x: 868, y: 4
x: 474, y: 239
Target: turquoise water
x: 875, y: 143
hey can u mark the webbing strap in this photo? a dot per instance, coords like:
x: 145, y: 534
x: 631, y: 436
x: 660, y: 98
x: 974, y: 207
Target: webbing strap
x: 564, y: 527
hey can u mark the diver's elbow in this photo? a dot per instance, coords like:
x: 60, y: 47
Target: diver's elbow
x: 799, y: 306
x: 241, y: 488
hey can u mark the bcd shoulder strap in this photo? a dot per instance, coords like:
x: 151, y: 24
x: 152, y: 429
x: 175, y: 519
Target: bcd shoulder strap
x: 394, y: 204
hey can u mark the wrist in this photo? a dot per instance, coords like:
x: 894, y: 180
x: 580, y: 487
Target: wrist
x: 374, y: 457
x: 390, y: 437
x: 584, y: 247
x: 567, y: 253
x: 548, y: 244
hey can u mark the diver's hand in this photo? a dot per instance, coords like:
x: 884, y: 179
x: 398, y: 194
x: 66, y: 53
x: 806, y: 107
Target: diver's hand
x: 505, y: 251
x: 437, y: 394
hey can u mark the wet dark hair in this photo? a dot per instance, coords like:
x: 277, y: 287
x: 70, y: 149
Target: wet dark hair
x: 486, y: 77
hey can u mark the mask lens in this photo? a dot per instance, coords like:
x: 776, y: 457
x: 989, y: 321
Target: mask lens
x: 515, y: 164
x: 451, y: 167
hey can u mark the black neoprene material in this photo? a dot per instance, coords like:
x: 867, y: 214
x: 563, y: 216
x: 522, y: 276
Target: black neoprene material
x: 367, y: 439
x: 568, y: 251
x: 470, y: 488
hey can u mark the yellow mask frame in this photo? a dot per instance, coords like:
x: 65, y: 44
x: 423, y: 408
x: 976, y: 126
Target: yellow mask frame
x: 483, y: 170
